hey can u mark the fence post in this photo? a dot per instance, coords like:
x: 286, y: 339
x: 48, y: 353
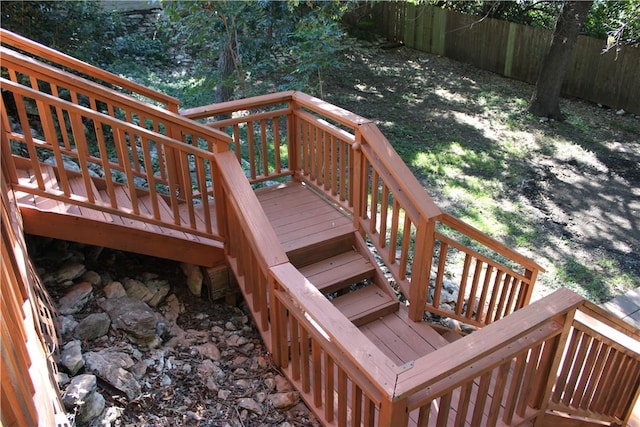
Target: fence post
x: 421, y: 271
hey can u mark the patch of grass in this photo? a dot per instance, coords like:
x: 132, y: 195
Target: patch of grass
x: 598, y: 283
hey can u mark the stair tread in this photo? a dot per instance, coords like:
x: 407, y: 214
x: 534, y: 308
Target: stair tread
x: 338, y: 271
x: 366, y: 304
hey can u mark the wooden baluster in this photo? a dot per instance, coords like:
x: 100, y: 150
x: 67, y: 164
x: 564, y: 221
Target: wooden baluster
x: 265, y: 147
x: 276, y: 145
x: 316, y: 372
x: 252, y: 150
x: 328, y: 387
x: 463, y: 284
x: 356, y: 405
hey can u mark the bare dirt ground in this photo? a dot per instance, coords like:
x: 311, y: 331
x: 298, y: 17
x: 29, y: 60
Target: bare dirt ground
x: 566, y: 193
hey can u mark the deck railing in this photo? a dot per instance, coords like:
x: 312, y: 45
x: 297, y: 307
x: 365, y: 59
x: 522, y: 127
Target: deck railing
x: 107, y: 152
x: 308, y: 337
x: 295, y: 136
x: 559, y: 355
x: 99, y: 75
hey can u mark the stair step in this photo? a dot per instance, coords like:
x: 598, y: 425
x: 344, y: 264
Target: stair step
x: 339, y: 271
x: 366, y: 304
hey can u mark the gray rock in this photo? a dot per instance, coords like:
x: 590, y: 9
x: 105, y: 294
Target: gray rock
x: 250, y: 405
x: 67, y: 324
x: 138, y: 290
x: 69, y: 271
x: 284, y: 400
x: 160, y: 289
x: 112, y: 367
x: 82, y: 394
x: 114, y: 290
x: 104, y: 360
x: 132, y: 316
x: 93, y: 326
x: 76, y: 298
x: 194, y: 277
x: 92, y: 277
x: 71, y: 357
x: 208, y: 350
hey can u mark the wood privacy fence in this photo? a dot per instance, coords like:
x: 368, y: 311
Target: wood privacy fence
x: 514, y: 50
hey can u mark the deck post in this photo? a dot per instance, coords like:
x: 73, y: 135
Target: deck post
x: 393, y: 413
x: 423, y: 258
x: 545, y: 390
x: 293, y: 140
x: 358, y: 183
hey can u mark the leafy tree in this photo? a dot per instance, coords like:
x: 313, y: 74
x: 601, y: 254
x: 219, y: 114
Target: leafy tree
x: 546, y: 95
x: 243, y: 43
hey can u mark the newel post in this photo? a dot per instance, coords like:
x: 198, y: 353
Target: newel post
x: 174, y: 167
x: 546, y: 374
x: 394, y: 413
x: 421, y: 274
x: 357, y: 181
x: 293, y: 140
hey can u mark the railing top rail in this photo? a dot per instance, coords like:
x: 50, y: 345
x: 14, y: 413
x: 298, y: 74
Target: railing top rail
x: 610, y: 320
x: 66, y: 79
x: 479, y: 236
x: 378, y: 368
x: 333, y: 112
x: 65, y: 60
x: 106, y: 119
x: 261, y: 234
x: 464, y: 352
x: 235, y: 105
x: 385, y: 154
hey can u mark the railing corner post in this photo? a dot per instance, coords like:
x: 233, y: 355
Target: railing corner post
x: 293, y: 140
x: 420, y: 278
x: 358, y: 182
x: 394, y: 413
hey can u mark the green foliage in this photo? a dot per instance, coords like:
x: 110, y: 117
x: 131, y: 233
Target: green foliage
x: 618, y: 21
x: 83, y: 29
x: 275, y: 45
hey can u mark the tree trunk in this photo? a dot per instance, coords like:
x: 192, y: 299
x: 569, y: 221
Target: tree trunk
x: 224, y: 90
x: 545, y: 101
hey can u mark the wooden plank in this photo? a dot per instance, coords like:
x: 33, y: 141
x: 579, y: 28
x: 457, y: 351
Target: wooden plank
x: 78, y: 187
x: 365, y: 304
x: 339, y: 271
x: 207, y: 253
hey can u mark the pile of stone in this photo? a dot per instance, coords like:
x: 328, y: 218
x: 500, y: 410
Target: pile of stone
x: 138, y: 349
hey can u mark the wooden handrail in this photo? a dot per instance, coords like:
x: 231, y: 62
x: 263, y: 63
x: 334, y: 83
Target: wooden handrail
x: 222, y: 108
x: 381, y: 371
x: 254, y: 221
x: 14, y: 60
x: 120, y: 128
x: 64, y: 60
x: 493, y: 244
x: 463, y: 353
x: 381, y: 151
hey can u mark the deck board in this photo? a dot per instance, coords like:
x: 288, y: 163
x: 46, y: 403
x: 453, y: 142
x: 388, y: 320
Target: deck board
x: 301, y: 218
x: 401, y: 339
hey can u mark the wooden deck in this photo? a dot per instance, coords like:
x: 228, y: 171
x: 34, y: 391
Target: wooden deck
x: 330, y: 318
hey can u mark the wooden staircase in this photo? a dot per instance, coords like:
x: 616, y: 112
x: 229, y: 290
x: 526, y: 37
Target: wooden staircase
x: 300, y: 249
x: 320, y: 240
